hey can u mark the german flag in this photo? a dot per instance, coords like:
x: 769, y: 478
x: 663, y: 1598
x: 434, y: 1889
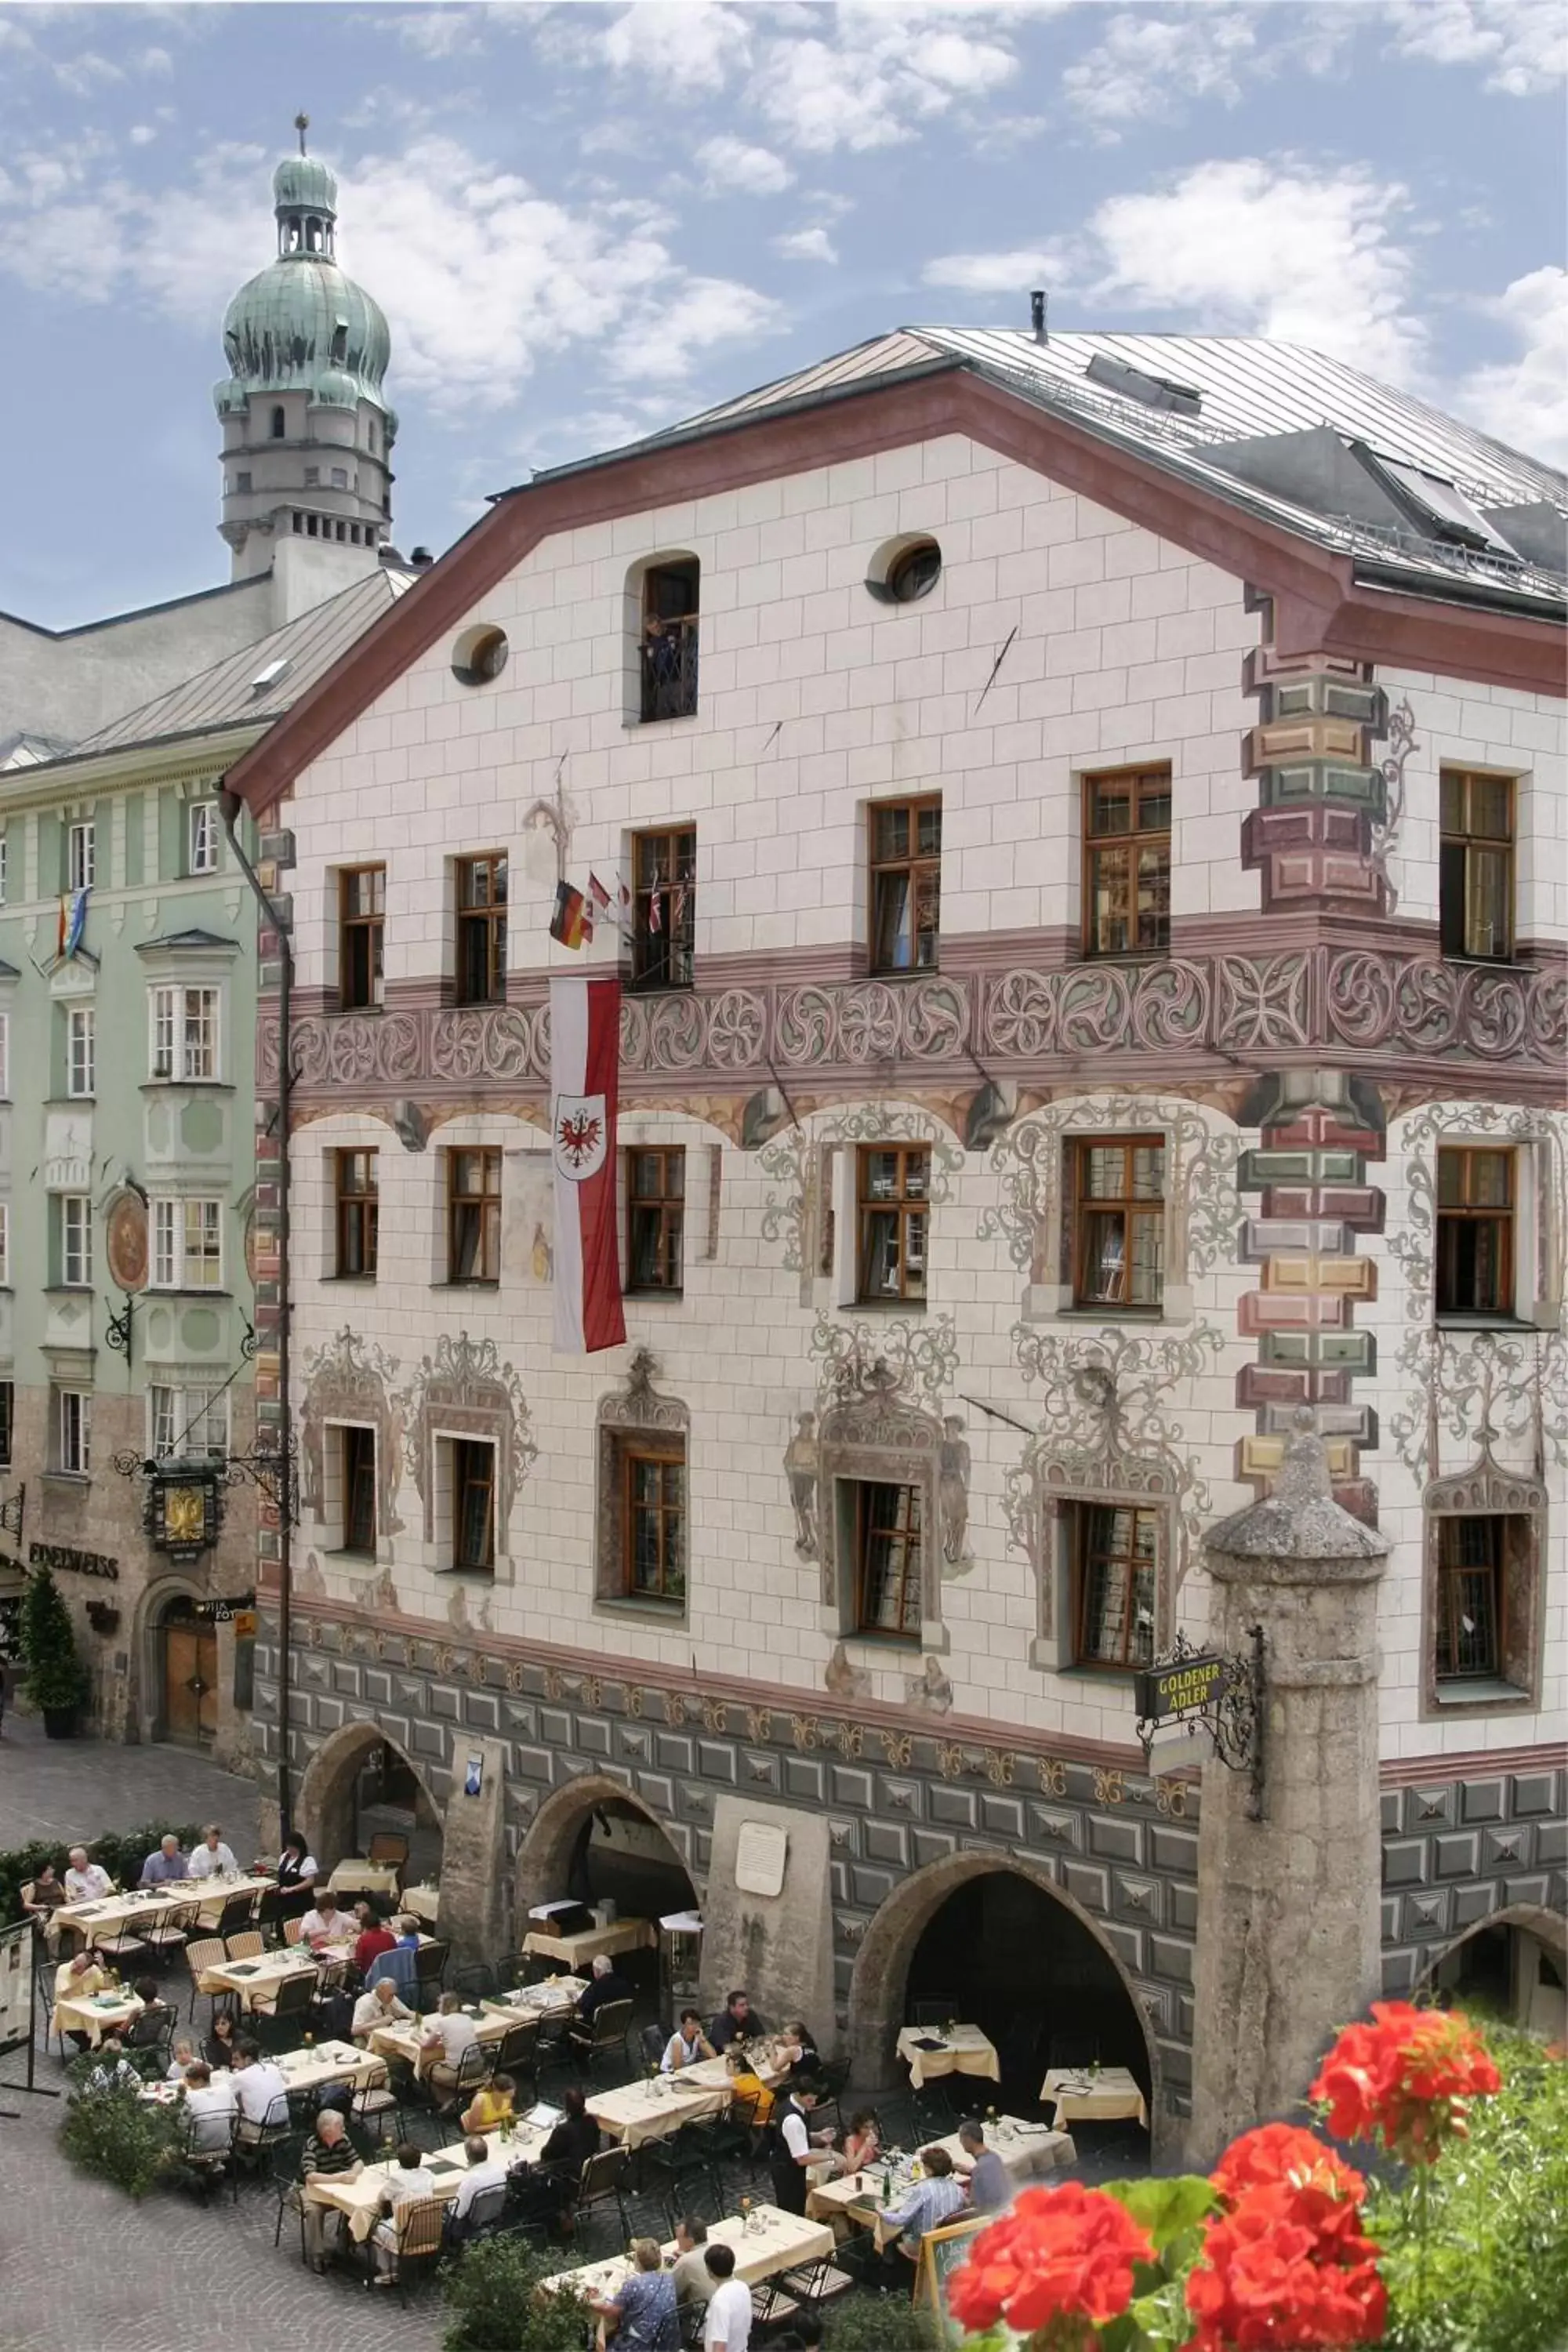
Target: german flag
x: 573, y: 921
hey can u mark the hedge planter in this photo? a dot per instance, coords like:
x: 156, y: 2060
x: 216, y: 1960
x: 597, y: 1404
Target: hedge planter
x: 59, y: 1722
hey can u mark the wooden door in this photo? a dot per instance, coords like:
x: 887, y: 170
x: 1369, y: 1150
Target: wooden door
x: 190, y: 1682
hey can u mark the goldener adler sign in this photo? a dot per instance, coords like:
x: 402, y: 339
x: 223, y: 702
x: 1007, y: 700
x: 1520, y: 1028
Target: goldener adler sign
x: 1179, y: 1690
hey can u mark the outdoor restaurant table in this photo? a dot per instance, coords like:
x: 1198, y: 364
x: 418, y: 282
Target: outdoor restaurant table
x: 364, y: 1878
x: 257, y: 1981
x: 97, y: 2014
x: 307, y: 2069
x: 775, y: 2242
x: 713, y: 2073
x: 360, y: 2199
x: 402, y: 2040
x: 423, y: 1902
x: 109, y: 1912
x: 964, y: 2051
x: 645, y: 2111
x: 546, y: 1998
x: 1082, y: 2094
x: 1028, y: 2150
x: 572, y: 1952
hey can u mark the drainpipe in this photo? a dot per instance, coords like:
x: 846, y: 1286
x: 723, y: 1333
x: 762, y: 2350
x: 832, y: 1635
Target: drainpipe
x: 230, y: 807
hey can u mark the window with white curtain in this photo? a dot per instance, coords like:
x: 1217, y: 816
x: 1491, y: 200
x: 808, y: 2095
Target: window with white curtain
x: 187, y: 1245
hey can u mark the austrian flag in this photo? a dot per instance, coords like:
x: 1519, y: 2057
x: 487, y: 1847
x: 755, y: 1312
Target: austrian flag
x: 584, y: 1069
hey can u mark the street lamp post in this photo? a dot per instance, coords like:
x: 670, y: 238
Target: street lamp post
x: 230, y: 807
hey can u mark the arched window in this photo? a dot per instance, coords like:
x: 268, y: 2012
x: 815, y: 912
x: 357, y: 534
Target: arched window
x: 340, y: 343
x: 667, y: 639
x: 279, y: 423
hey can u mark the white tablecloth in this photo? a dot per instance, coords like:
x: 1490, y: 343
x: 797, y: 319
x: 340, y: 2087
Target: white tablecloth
x: 645, y: 2111
x: 775, y: 2242
x: 1080, y: 2094
x: 574, y: 1951
x: 364, y: 1878
x: 964, y: 2051
x: 360, y: 2199
x: 99, y: 2014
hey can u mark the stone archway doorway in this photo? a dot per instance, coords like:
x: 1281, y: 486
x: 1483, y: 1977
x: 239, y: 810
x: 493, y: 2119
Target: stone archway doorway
x: 594, y: 1843
x: 360, y: 1783
x: 186, y: 1647
x: 992, y: 1940
x: 1514, y: 1965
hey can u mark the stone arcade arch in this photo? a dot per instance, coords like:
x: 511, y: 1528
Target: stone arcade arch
x: 878, y: 1984
x: 1532, y: 1932
x: 326, y: 1803
x: 544, y: 1857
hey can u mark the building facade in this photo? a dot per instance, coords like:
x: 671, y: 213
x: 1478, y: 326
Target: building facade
x: 1094, y: 988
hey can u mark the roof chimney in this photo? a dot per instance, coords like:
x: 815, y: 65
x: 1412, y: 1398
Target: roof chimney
x: 1038, y: 314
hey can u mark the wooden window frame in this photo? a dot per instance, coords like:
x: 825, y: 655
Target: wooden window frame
x: 1452, y: 1215
x: 664, y: 860
x: 82, y: 1401
x: 1081, y: 1513
x: 908, y: 1541
x: 467, y: 1477
x: 634, y: 1452
x: 1131, y: 1207
x: 486, y: 1204
x: 921, y: 870
x: 906, y: 1206
x: 1454, y: 923
x: 665, y: 1210
x: 484, y: 920
x: 668, y: 653
x: 1144, y: 783
x: 361, y: 992
x: 1451, y: 1573
x: 357, y: 1212
x: 354, y: 1470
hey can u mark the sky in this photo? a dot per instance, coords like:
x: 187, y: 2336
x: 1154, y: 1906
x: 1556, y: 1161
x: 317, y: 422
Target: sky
x: 584, y: 221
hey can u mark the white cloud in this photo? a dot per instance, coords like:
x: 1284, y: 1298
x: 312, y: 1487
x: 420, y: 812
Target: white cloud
x: 141, y: 134
x: 1267, y: 248
x: 732, y: 163
x: 681, y: 49
x: 1524, y: 401
x: 995, y: 273
x: 805, y: 244
x: 444, y: 32
x: 482, y: 277
x: 883, y: 70
x: 1146, y: 64
x: 1523, y: 44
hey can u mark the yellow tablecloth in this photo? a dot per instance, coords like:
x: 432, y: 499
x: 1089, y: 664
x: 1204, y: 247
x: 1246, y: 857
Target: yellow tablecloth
x: 360, y: 2199
x: 775, y: 2242
x: 645, y: 2111
x: 404, y: 2042
x: 1028, y: 2150
x: 364, y: 1878
x: 107, y: 1917
x: 423, y: 1903
x: 546, y: 1999
x: 99, y: 2014
x: 574, y: 1951
x: 1078, y: 2095
x: 964, y: 2051
x: 256, y: 1981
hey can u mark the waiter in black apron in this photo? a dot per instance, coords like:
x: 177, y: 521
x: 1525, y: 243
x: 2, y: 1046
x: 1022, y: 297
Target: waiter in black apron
x: 791, y: 2148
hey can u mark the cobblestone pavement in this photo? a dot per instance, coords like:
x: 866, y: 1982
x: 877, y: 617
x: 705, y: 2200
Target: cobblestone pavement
x: 76, y: 1788
x: 82, y: 2269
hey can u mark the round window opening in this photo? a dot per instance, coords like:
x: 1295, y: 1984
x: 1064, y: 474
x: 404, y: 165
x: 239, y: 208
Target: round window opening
x: 479, y: 655
x: 915, y: 573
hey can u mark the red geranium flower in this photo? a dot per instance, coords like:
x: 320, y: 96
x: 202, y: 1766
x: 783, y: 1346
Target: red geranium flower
x: 1409, y: 2078
x: 1283, y: 2155
x: 1059, y: 2254
x: 1268, y: 2278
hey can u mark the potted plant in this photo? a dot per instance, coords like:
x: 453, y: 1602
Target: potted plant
x: 53, y: 1674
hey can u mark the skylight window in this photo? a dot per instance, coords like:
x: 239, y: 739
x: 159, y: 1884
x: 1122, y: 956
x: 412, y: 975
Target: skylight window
x: 1437, y: 506
x: 1137, y: 383
x: 269, y: 674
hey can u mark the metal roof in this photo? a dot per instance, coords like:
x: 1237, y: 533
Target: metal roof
x: 1250, y: 390
x: 290, y: 660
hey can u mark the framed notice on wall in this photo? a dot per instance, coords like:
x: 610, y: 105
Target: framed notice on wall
x: 942, y: 2251
x: 17, y: 1996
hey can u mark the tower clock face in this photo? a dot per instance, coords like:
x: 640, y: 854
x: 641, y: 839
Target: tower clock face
x: 184, y: 1514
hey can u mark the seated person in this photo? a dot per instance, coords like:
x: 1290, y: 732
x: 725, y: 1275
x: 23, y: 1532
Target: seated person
x: 687, y: 2046
x: 157, y: 2015
x: 606, y: 1985
x: 86, y: 1882
x: 862, y: 2141
x: 399, y: 1966
x: 408, y: 2183
x: 989, y: 2186
x: 41, y: 1898
x: 170, y: 1863
x: 930, y: 2203
x: 78, y: 1979
x: 736, y: 2022
x: 379, y: 2006
x: 212, y: 1858
x: 441, y: 2051
x: 548, y: 2190
x: 748, y: 2086
x: 329, y: 2154
x: 211, y: 2103
x: 694, y: 2281
x: 800, y: 2051
x: 218, y: 2049
x: 113, y: 2070
x: 183, y: 2053
x: 485, y: 2171
x: 375, y: 1936
x: 641, y: 2313
x: 262, y: 2093
x: 324, y: 1923
x: 492, y: 2105
x: 296, y: 1867
x: 407, y: 1929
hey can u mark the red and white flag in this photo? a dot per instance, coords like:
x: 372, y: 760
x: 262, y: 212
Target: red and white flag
x: 584, y: 1070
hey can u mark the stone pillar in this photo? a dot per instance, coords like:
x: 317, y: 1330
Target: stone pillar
x: 476, y: 1901
x: 1289, y: 1918
x: 767, y: 1916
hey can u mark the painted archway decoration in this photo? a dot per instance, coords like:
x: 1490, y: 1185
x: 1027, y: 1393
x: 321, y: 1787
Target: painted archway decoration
x: 325, y: 1804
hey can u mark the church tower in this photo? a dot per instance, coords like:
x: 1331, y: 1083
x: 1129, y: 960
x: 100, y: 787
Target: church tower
x: 307, y: 432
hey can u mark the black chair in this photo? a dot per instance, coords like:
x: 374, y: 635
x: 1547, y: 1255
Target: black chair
x: 127, y: 1948
x: 254, y: 2143
x: 430, y: 1967
x: 602, y: 2184
x: 283, y: 2174
x: 475, y: 2066
x: 816, y: 2283
x: 475, y: 1981
x: 292, y: 2003
x: 167, y: 1934
x: 606, y: 2038
x: 830, y: 2083
x: 653, y: 2041
x: 517, y: 2052
x: 239, y: 1913
x: 512, y: 1972
x: 692, y: 2320
x: 484, y: 2216
x: 772, y: 2305
x: 208, y: 2151
x: 932, y: 2012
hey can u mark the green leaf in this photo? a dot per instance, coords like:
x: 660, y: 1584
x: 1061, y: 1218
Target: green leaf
x: 1165, y: 2208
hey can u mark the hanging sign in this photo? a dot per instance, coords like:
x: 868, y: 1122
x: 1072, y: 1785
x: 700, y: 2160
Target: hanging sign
x: 1182, y: 1688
